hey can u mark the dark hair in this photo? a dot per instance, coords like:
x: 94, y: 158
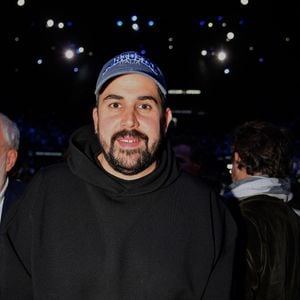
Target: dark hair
x: 263, y: 148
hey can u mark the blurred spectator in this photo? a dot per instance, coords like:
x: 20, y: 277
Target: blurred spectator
x: 186, y: 160
x: 198, y: 158
x: 10, y: 189
x: 269, y: 260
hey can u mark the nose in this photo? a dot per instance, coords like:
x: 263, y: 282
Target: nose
x: 129, y: 118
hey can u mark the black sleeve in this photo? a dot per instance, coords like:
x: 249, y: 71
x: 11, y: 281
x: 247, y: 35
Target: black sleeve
x: 15, y: 246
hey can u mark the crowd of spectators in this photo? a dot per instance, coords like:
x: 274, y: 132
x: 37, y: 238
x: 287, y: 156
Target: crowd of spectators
x: 45, y: 142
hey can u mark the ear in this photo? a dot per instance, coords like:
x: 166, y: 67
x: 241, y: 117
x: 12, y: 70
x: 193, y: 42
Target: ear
x: 168, y: 117
x: 95, y: 119
x: 236, y: 157
x: 11, y: 159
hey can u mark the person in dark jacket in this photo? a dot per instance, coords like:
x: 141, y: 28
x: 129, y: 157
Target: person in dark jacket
x: 118, y: 220
x: 269, y: 228
x: 10, y: 189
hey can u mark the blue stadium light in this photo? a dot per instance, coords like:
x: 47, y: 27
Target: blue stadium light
x: 119, y: 23
x: 150, y: 23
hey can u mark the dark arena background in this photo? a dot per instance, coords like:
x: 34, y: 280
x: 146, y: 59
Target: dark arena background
x: 225, y: 62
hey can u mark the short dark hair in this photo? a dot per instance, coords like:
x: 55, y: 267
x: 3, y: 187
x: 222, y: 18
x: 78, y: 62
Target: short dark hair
x: 264, y: 148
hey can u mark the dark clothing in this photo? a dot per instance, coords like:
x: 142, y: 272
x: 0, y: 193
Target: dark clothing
x: 270, y: 247
x: 81, y: 233
x: 295, y: 202
x: 12, y: 193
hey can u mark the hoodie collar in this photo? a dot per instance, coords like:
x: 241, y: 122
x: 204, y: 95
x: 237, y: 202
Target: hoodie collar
x: 84, y: 148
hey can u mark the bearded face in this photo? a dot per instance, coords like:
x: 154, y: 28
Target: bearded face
x: 130, y: 123
x: 131, y: 161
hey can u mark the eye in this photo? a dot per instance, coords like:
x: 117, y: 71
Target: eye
x: 115, y: 105
x: 144, y: 106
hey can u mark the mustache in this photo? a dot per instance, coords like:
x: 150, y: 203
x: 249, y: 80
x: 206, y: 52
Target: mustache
x: 132, y: 133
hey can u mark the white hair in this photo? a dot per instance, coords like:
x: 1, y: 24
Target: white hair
x: 10, y: 131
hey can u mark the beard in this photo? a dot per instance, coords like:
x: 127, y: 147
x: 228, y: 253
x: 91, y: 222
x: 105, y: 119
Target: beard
x: 131, y: 161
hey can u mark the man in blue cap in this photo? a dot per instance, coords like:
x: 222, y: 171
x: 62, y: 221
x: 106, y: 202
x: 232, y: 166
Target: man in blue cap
x: 119, y: 220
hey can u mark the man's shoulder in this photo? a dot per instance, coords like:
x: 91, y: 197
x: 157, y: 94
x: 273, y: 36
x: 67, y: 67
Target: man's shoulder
x: 16, y: 184
x: 54, y: 169
x: 15, y: 188
x: 198, y: 184
x: 51, y: 174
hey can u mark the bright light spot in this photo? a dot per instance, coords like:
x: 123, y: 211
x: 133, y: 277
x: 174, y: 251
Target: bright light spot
x: 150, y: 23
x: 39, y: 61
x: 203, y: 52
x: 224, y: 24
x: 184, y: 92
x: 119, y: 23
x: 193, y: 92
x: 230, y: 35
x: 134, y: 18
x: 69, y: 54
x: 221, y: 55
x: 182, y: 111
x: 251, y: 48
x: 175, y: 92
x: 287, y: 39
x: 49, y: 23
x: 171, y: 47
x: 135, y: 27
x: 210, y: 24
x: 174, y: 120
x: 244, y: 2
x: 60, y: 25
x: 226, y: 71
x: 75, y: 70
x: 80, y: 50
x: 170, y: 39
x: 17, y: 39
x: 21, y: 2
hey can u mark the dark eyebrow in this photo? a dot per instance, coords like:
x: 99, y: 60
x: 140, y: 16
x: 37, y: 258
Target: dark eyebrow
x: 113, y: 96
x: 142, y: 98
x: 148, y: 98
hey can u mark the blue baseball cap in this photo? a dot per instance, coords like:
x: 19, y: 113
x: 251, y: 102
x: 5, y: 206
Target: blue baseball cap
x: 130, y: 62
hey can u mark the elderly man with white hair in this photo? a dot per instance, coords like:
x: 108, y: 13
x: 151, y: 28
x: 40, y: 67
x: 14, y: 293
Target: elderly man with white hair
x: 10, y: 189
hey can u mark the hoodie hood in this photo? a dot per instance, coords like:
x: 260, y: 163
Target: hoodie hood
x: 84, y: 148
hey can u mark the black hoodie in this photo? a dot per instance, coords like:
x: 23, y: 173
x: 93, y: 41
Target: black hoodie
x: 81, y: 233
